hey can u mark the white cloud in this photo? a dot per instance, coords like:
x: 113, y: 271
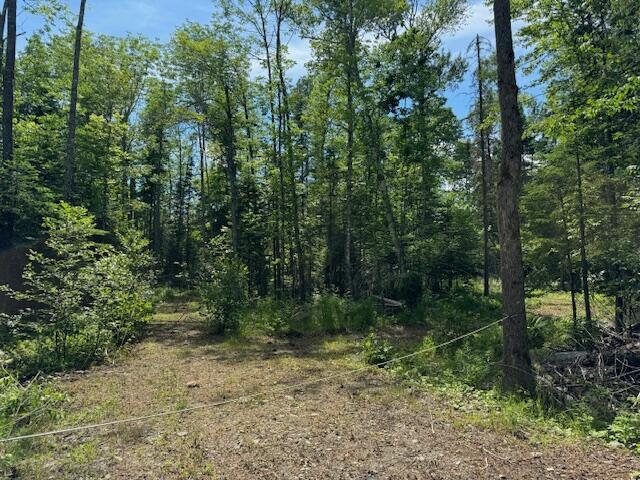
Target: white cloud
x: 477, y: 22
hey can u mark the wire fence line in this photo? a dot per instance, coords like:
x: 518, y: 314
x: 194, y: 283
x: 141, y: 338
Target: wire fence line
x: 244, y: 398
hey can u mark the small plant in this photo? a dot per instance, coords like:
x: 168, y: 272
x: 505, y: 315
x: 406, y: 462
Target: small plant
x: 21, y: 404
x: 376, y: 350
x: 625, y: 429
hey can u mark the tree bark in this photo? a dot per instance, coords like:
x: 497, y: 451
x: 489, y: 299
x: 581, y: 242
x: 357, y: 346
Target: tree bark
x: 518, y: 373
x: 70, y: 163
x: 7, y: 215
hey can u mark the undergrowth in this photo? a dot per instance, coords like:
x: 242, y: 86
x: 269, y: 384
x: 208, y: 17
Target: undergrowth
x: 324, y: 313
x: 23, y: 407
x: 468, y: 372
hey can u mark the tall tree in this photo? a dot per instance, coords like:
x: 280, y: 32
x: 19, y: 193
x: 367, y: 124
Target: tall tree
x: 8, y: 215
x: 584, y: 264
x: 70, y: 161
x: 516, y: 360
x: 485, y: 173
x: 282, y: 9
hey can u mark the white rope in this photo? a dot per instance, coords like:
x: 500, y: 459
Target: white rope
x: 245, y: 398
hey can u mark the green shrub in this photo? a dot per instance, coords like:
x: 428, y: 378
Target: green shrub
x: 332, y: 314
x: 89, y: 296
x: 326, y: 313
x: 269, y: 316
x: 329, y: 312
x: 22, y: 408
x: 362, y: 315
x: 223, y: 287
x: 376, y: 350
x: 625, y: 429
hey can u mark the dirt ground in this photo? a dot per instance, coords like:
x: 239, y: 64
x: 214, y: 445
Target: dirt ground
x: 358, y: 427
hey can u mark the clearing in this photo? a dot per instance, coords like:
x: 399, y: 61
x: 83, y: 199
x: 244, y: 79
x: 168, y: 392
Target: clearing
x: 363, y: 426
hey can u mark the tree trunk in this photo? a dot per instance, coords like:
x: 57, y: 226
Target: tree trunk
x: 483, y: 153
x: 584, y: 264
x: 70, y: 163
x: 278, y: 204
x: 302, y: 290
x: 348, y: 273
x: 572, y: 278
x: 3, y: 19
x: 392, y: 224
x: 518, y: 373
x: 156, y: 221
x: 232, y: 173
x: 8, y: 195
x: 247, y: 120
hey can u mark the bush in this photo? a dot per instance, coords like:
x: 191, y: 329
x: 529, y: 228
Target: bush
x: 223, y: 287
x: 89, y: 296
x: 625, y: 429
x: 376, y: 350
x: 269, y: 316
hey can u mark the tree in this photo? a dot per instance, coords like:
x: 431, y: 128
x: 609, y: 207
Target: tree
x: 485, y: 172
x: 585, y: 53
x: 8, y: 170
x: 73, y: 103
x: 516, y: 361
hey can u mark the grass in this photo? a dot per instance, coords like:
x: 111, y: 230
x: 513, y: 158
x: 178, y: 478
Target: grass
x: 557, y: 304
x: 152, y: 378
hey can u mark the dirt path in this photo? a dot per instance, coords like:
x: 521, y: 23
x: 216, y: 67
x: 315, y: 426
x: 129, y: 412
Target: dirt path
x: 362, y: 427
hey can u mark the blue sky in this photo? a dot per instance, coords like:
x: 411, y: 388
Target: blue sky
x: 158, y: 19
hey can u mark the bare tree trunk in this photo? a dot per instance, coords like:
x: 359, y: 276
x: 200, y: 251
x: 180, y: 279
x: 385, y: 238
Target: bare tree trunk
x: 70, y: 163
x: 483, y: 153
x: 202, y: 145
x: 8, y: 195
x: 584, y: 264
x: 518, y: 373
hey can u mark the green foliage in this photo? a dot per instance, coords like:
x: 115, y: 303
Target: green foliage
x: 22, y: 404
x: 223, y: 287
x: 625, y: 429
x: 376, y: 350
x: 324, y: 314
x: 270, y: 316
x: 86, y: 297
